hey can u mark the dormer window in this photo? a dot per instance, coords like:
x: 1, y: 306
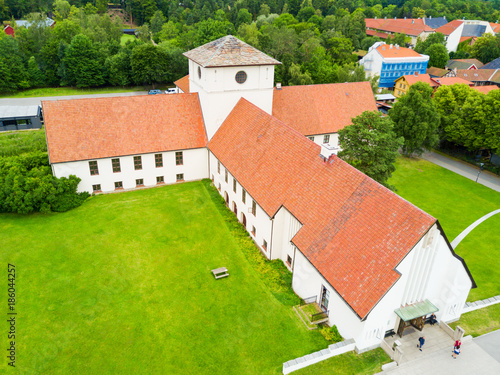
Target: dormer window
x: 241, y: 77
x: 199, y: 72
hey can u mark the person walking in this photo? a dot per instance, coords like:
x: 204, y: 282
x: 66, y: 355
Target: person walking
x: 456, y: 351
x: 421, y: 342
x: 458, y: 343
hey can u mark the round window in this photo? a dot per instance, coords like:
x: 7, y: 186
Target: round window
x: 199, y: 72
x: 241, y: 77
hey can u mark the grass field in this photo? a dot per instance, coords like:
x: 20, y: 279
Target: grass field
x: 19, y: 142
x: 126, y: 38
x: 479, y: 322
x: 63, y: 91
x: 123, y: 285
x: 457, y: 202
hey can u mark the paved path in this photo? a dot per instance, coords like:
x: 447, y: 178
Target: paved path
x: 490, y: 343
x: 38, y: 100
x: 469, y: 229
x: 465, y: 169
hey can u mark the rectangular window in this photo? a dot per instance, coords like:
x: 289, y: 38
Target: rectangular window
x: 254, y: 208
x: 311, y: 138
x: 234, y: 185
x: 137, y: 163
x: 118, y: 185
x: 226, y: 175
x: 159, y: 160
x: 139, y: 182
x: 218, y: 167
x: 96, y: 188
x: 219, y: 186
x: 115, y: 163
x: 179, y: 177
x: 289, y: 260
x: 160, y: 180
x: 94, y: 171
x: 264, y: 245
x: 326, y: 138
x: 254, y: 231
x: 178, y: 158
x: 244, y: 195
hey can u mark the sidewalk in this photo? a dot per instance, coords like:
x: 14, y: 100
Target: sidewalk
x: 464, y: 169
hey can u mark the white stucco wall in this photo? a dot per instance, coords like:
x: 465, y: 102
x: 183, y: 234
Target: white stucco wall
x: 219, y: 92
x: 194, y: 167
x: 372, y: 62
x: 454, y: 39
x: 261, y: 221
x: 285, y: 228
x: 429, y: 271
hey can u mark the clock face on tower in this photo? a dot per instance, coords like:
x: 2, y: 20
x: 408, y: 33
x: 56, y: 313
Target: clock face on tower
x: 241, y: 77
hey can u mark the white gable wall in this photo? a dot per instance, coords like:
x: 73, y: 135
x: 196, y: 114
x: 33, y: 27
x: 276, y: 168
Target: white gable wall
x: 194, y: 167
x: 285, y: 228
x: 219, y: 92
x: 453, y: 39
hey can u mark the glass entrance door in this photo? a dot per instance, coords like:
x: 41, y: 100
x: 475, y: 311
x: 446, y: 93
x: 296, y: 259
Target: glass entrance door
x: 325, y: 297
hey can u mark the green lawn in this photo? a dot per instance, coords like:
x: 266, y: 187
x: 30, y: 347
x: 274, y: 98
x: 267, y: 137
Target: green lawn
x: 63, y: 91
x: 457, y: 202
x: 122, y: 285
x: 127, y: 38
x: 349, y: 364
x: 479, y: 322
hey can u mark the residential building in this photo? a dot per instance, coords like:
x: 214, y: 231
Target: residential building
x: 20, y: 117
x: 182, y: 84
x: 412, y: 27
x: 495, y: 64
x: 479, y: 77
x: 458, y: 31
x: 9, y: 30
x: 356, y: 248
x: 467, y: 64
x: 436, y: 72
x: 404, y: 83
x: 391, y: 62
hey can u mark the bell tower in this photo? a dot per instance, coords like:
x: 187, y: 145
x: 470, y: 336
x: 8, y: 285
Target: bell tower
x: 225, y: 70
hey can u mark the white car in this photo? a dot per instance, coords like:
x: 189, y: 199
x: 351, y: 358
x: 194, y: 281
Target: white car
x: 172, y: 90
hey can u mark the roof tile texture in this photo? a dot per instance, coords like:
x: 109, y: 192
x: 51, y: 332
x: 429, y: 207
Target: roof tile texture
x: 386, y: 51
x: 478, y: 75
x: 322, y: 109
x: 411, y: 26
x: 85, y: 129
x: 228, y: 51
x: 355, y: 231
x: 183, y: 84
x: 412, y: 78
x: 449, y: 27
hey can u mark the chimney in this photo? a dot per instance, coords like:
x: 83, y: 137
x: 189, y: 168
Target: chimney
x: 416, y: 74
x: 375, y: 17
x: 278, y: 86
x: 330, y: 158
x: 412, y: 21
x: 390, y: 46
x: 385, y: 17
x: 430, y: 17
x: 405, y: 17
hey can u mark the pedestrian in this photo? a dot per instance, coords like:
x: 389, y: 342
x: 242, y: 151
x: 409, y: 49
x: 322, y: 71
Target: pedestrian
x: 456, y: 351
x: 458, y: 343
x: 433, y: 319
x: 421, y: 342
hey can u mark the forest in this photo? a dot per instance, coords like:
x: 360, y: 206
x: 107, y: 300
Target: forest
x: 314, y: 39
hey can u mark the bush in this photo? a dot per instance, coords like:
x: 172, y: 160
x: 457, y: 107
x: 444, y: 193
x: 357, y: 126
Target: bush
x: 20, y: 142
x: 331, y: 334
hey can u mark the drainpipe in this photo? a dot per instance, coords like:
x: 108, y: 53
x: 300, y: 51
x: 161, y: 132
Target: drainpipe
x: 271, y: 242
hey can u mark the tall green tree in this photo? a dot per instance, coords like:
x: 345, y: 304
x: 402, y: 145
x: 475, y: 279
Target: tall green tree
x: 83, y: 64
x: 416, y: 119
x: 438, y: 55
x: 149, y: 64
x: 371, y: 145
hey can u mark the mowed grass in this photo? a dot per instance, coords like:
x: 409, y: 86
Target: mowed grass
x: 127, y: 38
x: 122, y: 285
x: 479, y: 322
x: 457, y: 202
x: 349, y: 364
x: 64, y: 91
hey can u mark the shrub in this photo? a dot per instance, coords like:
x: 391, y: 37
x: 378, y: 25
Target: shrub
x: 331, y: 334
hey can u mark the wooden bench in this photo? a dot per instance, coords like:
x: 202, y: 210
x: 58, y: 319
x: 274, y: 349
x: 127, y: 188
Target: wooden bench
x: 220, y: 272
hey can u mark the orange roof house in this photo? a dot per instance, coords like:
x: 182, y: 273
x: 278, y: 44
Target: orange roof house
x: 404, y: 83
x: 183, y: 84
x: 412, y: 27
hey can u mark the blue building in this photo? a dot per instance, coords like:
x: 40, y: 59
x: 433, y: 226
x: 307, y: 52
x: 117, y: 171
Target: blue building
x: 390, y: 62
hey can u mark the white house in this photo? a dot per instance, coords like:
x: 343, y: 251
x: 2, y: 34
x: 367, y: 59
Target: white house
x: 363, y: 253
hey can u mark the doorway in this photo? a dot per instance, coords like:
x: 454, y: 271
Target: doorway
x: 325, y: 298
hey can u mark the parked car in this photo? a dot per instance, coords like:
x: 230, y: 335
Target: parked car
x: 172, y: 90
x: 154, y: 92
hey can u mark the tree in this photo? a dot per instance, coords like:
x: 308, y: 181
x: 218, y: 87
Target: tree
x: 371, y: 145
x: 438, y: 55
x: 62, y: 8
x: 156, y: 22
x: 434, y: 38
x: 118, y: 68
x: 486, y: 48
x: 149, y: 63
x: 449, y: 102
x: 83, y: 64
x: 399, y: 39
x: 297, y: 77
x: 36, y: 77
x: 416, y: 119
x: 244, y: 16
x: 13, y: 72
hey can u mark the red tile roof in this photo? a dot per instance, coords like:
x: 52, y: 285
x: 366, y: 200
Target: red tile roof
x: 449, y: 27
x: 322, y: 109
x: 377, y: 34
x: 438, y: 72
x: 485, y: 89
x: 386, y: 51
x: 183, y: 84
x: 412, y: 78
x: 410, y: 26
x: 478, y: 75
x: 447, y: 81
x: 355, y: 231
x: 85, y: 129
x: 495, y: 27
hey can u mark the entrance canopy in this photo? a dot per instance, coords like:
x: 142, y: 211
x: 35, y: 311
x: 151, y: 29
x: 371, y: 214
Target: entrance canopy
x: 416, y: 310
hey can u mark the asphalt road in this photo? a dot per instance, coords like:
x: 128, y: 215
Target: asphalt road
x: 490, y: 343
x: 38, y: 100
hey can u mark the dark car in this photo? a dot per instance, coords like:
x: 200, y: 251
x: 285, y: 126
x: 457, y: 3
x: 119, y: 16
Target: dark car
x: 154, y: 92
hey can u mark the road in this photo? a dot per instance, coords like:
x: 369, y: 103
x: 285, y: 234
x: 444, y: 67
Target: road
x: 490, y: 343
x: 464, y: 169
x: 38, y: 100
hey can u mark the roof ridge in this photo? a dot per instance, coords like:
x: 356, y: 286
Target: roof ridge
x: 218, y: 49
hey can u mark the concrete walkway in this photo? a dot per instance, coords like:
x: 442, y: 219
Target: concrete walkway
x: 464, y: 169
x: 477, y: 357
x: 469, y: 229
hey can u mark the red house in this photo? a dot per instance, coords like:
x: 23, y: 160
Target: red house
x: 9, y: 30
